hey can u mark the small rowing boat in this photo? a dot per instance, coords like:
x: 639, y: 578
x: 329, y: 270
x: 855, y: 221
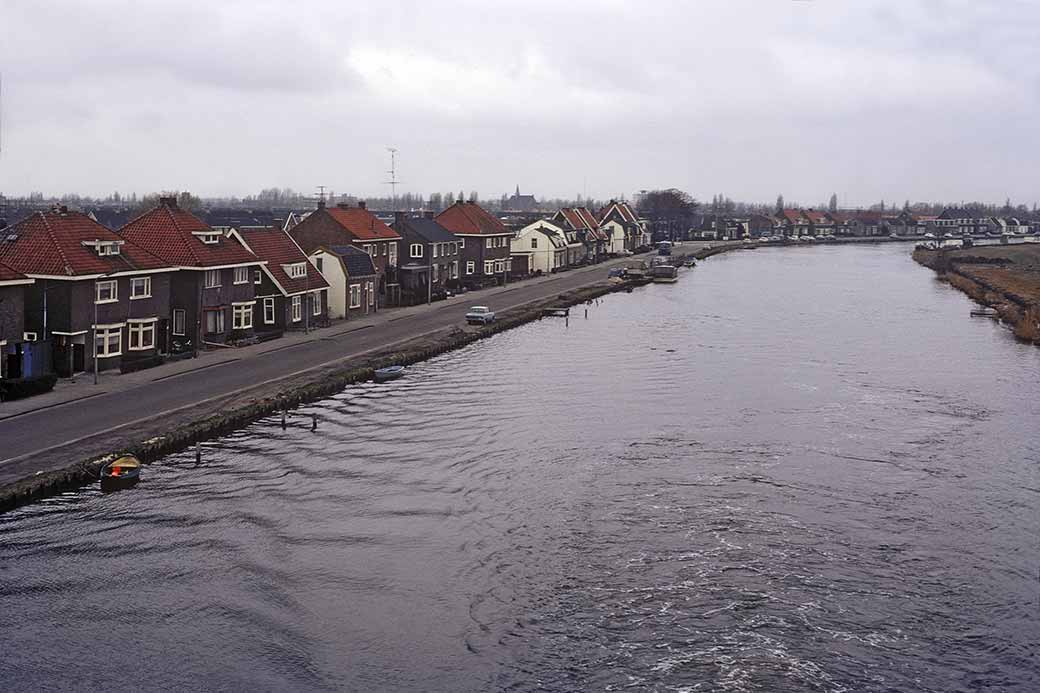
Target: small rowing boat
x: 121, y: 473
x: 382, y: 375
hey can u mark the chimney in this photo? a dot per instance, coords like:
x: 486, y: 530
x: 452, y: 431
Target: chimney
x: 398, y: 218
x: 343, y: 205
x: 278, y: 223
x: 321, y: 203
x: 428, y: 214
x: 168, y: 201
x: 361, y: 204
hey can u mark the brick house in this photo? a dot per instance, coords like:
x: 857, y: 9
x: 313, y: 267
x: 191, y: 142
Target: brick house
x: 352, y: 280
x: 213, y: 294
x: 343, y: 225
x: 95, y: 294
x: 484, y: 250
x: 621, y: 225
x: 585, y: 226
x: 290, y: 292
x: 430, y: 262
x: 12, y: 320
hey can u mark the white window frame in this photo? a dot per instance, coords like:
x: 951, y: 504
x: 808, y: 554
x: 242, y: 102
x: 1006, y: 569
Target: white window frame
x: 145, y: 282
x: 220, y: 321
x: 471, y: 267
x: 393, y: 253
x: 455, y: 269
x: 113, y: 291
x: 269, y: 310
x: 462, y: 243
x: 183, y: 314
x: 242, y: 316
x: 371, y: 294
x: 415, y: 250
x: 489, y: 266
x: 487, y: 242
x: 297, y: 270
x: 355, y: 295
x: 104, y: 334
x: 241, y: 275
x: 316, y: 303
x: 297, y: 308
x: 534, y: 242
x: 258, y: 276
x: 500, y: 266
x: 211, y: 279
x: 141, y: 329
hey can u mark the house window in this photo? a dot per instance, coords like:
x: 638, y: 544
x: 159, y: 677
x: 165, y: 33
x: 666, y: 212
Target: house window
x: 415, y: 250
x: 258, y: 276
x: 500, y: 265
x: 108, y: 341
x: 269, y: 311
x: 142, y: 334
x: 178, y: 321
x: 489, y: 242
x: 489, y: 266
x: 297, y: 308
x: 242, y: 315
x: 436, y: 249
x: 471, y: 267
x: 106, y: 291
x: 212, y: 280
x: 371, y: 250
x: 316, y: 303
x: 141, y: 287
x: 241, y: 275
x: 297, y: 270
x: 355, y: 295
x: 534, y: 242
x: 393, y: 253
x: 455, y: 269
x: 215, y: 321
x: 371, y: 294
x: 462, y: 243
x: 383, y: 246
x: 317, y: 263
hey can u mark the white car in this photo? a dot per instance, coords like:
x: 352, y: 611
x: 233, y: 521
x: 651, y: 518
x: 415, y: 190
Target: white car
x: 480, y: 315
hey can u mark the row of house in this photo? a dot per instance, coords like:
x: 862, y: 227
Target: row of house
x: 795, y: 223
x: 76, y: 296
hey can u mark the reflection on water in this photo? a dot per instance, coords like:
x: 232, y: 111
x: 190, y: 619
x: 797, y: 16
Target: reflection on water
x: 800, y: 469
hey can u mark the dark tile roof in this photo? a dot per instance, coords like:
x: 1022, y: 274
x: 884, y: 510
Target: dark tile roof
x: 279, y: 249
x: 357, y: 262
x: 51, y: 243
x: 168, y: 231
x: 429, y: 230
x: 8, y: 274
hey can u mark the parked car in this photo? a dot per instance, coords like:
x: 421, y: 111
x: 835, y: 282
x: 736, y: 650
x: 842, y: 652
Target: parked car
x: 480, y: 315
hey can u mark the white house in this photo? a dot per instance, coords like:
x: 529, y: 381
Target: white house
x: 543, y: 243
x: 620, y: 223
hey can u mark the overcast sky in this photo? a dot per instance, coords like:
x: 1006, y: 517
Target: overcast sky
x: 871, y: 99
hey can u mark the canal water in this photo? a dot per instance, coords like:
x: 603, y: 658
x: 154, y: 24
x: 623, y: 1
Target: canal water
x: 796, y: 469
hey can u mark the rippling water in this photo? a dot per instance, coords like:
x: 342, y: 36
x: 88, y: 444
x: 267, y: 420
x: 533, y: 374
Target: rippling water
x: 801, y: 469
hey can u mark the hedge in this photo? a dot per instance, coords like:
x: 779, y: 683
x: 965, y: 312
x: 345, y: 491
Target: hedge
x: 19, y: 388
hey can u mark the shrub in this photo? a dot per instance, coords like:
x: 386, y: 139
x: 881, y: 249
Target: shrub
x: 19, y: 388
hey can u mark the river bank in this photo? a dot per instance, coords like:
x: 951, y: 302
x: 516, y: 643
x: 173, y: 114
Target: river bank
x: 181, y: 428
x: 1005, y: 278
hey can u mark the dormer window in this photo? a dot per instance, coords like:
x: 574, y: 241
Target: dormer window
x: 208, y: 237
x: 104, y: 248
x: 297, y: 270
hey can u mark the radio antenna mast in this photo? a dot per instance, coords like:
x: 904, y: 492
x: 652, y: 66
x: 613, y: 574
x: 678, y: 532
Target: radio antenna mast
x: 393, y: 175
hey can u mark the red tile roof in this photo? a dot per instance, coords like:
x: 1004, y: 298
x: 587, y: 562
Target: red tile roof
x: 9, y: 275
x: 51, y: 243
x: 815, y: 217
x: 167, y: 230
x: 472, y: 219
x: 362, y: 224
x: 624, y: 211
x: 279, y: 249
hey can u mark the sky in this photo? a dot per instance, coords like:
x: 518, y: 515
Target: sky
x: 869, y: 99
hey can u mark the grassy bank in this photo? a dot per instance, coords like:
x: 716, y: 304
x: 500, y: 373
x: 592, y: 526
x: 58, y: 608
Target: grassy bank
x: 1005, y: 278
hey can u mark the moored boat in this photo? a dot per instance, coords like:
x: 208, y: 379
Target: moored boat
x: 382, y: 375
x: 122, y: 472
x: 664, y: 273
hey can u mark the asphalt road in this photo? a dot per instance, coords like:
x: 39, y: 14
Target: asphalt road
x: 71, y: 425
